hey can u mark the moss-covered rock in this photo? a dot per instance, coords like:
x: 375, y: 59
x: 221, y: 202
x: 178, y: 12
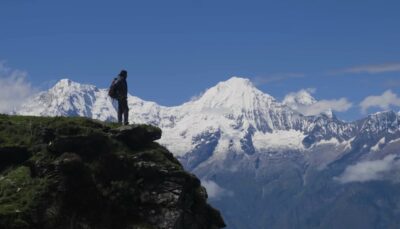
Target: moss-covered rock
x: 79, y: 173
x: 10, y: 155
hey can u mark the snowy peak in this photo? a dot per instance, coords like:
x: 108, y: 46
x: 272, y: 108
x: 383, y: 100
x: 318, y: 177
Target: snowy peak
x: 67, y: 86
x: 381, y: 121
x: 236, y: 82
x: 64, y: 83
x: 68, y: 98
x: 236, y: 94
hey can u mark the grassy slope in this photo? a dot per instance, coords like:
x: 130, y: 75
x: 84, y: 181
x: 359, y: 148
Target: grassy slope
x: 23, y: 194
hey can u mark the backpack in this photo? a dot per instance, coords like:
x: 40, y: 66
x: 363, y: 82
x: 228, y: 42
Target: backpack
x: 113, y: 90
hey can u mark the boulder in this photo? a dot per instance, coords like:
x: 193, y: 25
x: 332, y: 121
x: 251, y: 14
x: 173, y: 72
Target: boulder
x: 136, y: 135
x: 85, y: 145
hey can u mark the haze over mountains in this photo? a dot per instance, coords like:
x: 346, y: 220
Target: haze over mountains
x: 264, y: 162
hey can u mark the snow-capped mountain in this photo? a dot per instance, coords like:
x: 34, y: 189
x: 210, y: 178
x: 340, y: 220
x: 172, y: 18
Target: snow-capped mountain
x: 234, y: 110
x: 235, y: 134
x: 231, y: 116
x: 69, y: 98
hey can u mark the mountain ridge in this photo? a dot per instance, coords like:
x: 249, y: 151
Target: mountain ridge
x: 234, y: 110
x: 246, y: 146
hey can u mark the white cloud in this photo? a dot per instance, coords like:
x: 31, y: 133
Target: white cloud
x: 303, y: 102
x: 384, y: 169
x: 321, y: 106
x: 215, y: 191
x: 276, y: 77
x: 384, y: 101
x: 14, y: 88
x: 302, y: 97
x: 373, y: 69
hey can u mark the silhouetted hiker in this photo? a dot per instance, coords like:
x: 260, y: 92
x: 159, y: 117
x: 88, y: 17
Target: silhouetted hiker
x: 119, y: 91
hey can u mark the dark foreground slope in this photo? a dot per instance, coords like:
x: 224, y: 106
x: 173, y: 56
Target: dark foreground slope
x: 79, y: 173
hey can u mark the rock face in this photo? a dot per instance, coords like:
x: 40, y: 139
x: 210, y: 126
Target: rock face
x: 78, y: 173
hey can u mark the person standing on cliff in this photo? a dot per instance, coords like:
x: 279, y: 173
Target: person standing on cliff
x: 119, y: 91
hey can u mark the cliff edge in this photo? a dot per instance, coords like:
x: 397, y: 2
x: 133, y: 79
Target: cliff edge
x: 78, y: 173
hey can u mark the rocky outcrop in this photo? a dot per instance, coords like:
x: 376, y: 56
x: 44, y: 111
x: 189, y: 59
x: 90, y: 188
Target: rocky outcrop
x: 79, y: 173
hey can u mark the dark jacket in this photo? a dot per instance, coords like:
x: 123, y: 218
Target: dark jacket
x: 122, y: 86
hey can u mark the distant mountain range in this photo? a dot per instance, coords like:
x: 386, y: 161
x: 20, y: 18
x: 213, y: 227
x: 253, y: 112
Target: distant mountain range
x: 265, y: 164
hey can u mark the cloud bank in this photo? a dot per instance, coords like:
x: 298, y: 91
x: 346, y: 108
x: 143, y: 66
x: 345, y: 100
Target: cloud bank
x: 303, y: 102
x: 384, y: 101
x: 384, y: 169
x: 215, y: 191
x: 373, y: 69
x: 14, y: 88
x: 321, y: 106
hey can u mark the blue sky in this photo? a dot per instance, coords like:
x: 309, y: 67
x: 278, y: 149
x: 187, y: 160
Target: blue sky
x: 174, y: 50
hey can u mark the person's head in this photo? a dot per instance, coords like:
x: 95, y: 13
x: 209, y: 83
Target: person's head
x: 123, y: 73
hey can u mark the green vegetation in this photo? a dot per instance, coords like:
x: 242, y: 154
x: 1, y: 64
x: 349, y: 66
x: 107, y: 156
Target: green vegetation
x: 25, y: 183
x: 80, y: 173
x: 19, y: 191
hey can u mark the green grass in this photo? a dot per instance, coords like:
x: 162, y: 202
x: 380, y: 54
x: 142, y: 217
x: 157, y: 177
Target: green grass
x: 24, y: 130
x: 19, y: 192
x: 28, y: 188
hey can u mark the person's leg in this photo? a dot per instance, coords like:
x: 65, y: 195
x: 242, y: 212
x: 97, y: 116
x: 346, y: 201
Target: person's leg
x: 120, y: 110
x: 126, y: 112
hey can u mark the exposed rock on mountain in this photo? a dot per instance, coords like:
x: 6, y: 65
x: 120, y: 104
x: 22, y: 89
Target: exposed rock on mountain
x: 78, y: 173
x: 266, y: 163
x: 235, y: 111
